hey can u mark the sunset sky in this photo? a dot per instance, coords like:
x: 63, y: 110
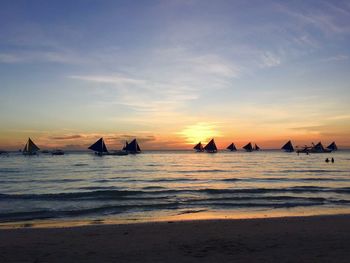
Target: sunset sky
x: 173, y: 73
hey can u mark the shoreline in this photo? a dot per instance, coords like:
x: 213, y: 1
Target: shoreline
x: 183, y: 217
x: 322, y: 238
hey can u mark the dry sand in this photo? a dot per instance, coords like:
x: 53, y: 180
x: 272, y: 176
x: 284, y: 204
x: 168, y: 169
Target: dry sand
x: 299, y: 239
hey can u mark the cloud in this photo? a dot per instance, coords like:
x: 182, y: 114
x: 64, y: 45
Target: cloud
x: 67, y: 137
x: 269, y: 60
x: 114, y: 79
x: 25, y: 56
x: 336, y: 58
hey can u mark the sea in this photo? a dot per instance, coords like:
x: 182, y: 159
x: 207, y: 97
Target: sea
x: 171, y: 185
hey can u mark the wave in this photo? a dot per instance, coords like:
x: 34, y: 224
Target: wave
x: 310, y: 171
x: 117, y: 194
x: 204, y: 171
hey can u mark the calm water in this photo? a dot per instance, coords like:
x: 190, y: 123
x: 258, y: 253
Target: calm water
x: 162, y: 184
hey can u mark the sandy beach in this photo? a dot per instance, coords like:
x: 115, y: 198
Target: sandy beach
x: 292, y: 239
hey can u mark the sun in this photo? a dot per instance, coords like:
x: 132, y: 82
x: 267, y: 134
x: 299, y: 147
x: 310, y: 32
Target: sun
x: 200, y: 132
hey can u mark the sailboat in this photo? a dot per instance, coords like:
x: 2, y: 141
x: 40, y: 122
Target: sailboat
x: 99, y: 147
x: 332, y: 147
x: 30, y: 148
x: 211, y: 147
x: 232, y: 147
x: 132, y: 147
x: 248, y: 147
x: 288, y: 147
x: 199, y: 147
x: 256, y: 148
x: 318, y: 148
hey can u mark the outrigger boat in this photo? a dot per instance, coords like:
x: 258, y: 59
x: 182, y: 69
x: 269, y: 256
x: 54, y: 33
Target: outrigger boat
x: 318, y: 148
x: 57, y: 152
x: 30, y: 148
x: 288, y: 147
x: 332, y: 147
x: 100, y: 149
x: 199, y: 147
x: 133, y: 147
x: 211, y: 147
x: 248, y: 147
x: 232, y: 147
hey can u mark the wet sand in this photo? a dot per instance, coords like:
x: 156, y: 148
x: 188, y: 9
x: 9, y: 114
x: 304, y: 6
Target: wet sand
x: 293, y: 239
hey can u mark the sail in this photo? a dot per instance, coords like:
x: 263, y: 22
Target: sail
x: 232, y: 147
x: 99, y: 146
x: 288, y: 147
x: 30, y: 147
x: 133, y: 147
x: 248, y: 147
x: 211, y: 147
x: 199, y: 147
x: 256, y: 147
x: 318, y: 147
x: 332, y: 147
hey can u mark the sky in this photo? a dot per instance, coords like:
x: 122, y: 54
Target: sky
x: 173, y: 73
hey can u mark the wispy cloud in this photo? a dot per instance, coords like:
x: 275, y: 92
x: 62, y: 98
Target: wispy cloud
x: 270, y: 60
x: 62, y: 57
x: 115, y: 79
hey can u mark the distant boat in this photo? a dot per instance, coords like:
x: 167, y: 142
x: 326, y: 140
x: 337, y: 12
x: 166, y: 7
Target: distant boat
x: 132, y: 147
x: 199, y: 147
x: 332, y: 147
x: 288, y: 147
x: 248, y: 147
x: 318, y: 148
x: 30, y: 148
x: 232, y: 147
x: 99, y: 147
x: 57, y: 152
x: 211, y: 147
x: 256, y: 148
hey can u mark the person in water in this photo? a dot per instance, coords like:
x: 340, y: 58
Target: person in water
x: 332, y: 160
x: 327, y: 160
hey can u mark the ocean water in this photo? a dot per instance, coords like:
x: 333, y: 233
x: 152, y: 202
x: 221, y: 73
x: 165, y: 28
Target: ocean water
x: 155, y: 185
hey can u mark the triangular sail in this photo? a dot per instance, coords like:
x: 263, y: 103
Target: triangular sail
x: 133, y: 147
x: 248, y: 147
x: 99, y: 146
x: 256, y: 147
x: 232, y: 147
x: 318, y: 147
x: 211, y: 146
x: 288, y: 147
x: 332, y: 146
x: 198, y: 147
x: 30, y: 147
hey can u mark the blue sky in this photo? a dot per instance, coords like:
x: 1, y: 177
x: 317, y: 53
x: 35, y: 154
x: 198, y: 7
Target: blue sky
x: 238, y: 70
